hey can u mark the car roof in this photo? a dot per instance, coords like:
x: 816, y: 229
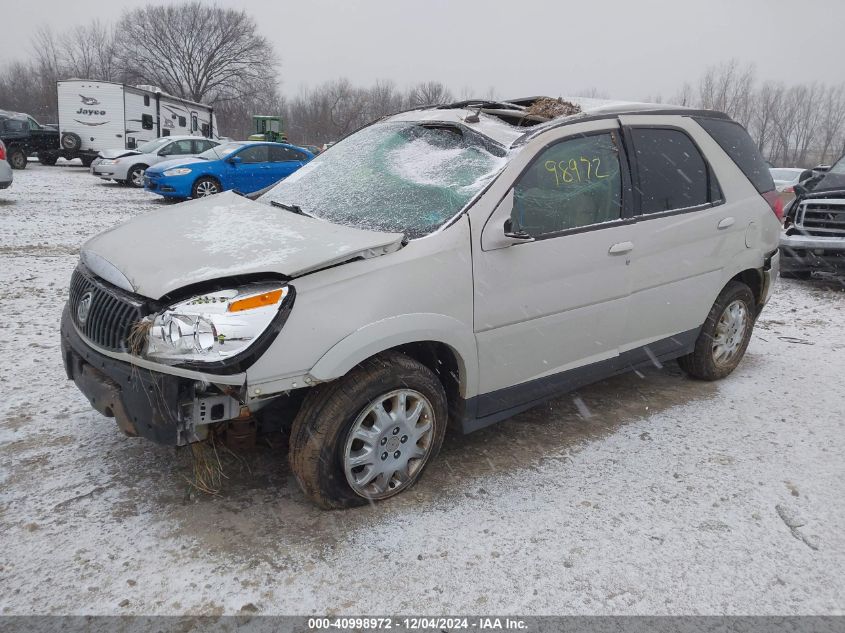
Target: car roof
x: 507, y: 122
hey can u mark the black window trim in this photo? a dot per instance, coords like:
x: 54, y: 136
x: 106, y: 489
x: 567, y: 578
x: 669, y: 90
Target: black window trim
x: 627, y: 216
x: 639, y: 214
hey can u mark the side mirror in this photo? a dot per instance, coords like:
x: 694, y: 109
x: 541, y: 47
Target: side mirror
x: 236, y: 160
x: 518, y: 234
x: 500, y: 232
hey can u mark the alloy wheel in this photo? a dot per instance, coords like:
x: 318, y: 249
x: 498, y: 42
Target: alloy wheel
x: 388, y: 444
x: 730, y: 332
x: 206, y: 188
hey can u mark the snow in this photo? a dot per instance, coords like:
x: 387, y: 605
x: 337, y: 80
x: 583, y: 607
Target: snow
x: 643, y: 494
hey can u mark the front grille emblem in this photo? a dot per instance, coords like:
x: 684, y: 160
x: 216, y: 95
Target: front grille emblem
x: 83, y: 309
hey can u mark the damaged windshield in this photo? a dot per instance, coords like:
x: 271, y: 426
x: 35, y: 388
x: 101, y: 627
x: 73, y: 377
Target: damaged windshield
x: 395, y: 176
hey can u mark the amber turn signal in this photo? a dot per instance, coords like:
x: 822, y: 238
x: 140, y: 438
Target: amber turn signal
x: 256, y: 301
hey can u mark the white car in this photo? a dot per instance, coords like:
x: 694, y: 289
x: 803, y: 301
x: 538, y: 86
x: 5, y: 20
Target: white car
x: 451, y: 265
x: 5, y: 168
x: 127, y: 166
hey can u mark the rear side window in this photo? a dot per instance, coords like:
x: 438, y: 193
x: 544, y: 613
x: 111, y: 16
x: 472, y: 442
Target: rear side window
x: 147, y: 121
x: 733, y: 138
x: 672, y: 172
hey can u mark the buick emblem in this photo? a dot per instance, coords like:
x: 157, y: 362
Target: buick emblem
x: 84, y: 307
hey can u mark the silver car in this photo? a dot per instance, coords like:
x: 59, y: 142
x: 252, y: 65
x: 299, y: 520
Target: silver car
x: 127, y: 166
x: 452, y: 265
x: 6, y: 175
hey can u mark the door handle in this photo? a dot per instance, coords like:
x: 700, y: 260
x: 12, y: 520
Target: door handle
x: 620, y: 248
x: 725, y: 223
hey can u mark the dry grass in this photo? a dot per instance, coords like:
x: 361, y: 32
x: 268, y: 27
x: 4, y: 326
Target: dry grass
x: 553, y: 108
x: 209, y: 461
x: 137, y: 339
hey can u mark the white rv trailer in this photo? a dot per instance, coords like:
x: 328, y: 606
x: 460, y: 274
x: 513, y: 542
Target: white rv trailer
x: 100, y: 115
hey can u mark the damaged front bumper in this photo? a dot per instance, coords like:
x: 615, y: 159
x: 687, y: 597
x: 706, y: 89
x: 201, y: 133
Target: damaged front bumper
x: 167, y: 409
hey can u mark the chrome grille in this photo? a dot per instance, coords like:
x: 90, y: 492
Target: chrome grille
x: 109, y: 315
x: 822, y: 218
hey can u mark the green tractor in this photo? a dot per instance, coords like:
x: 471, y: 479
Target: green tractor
x: 267, y: 128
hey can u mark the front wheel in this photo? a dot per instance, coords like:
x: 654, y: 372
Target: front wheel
x: 135, y: 176
x: 205, y: 187
x: 17, y: 158
x: 723, y: 339
x: 370, y: 434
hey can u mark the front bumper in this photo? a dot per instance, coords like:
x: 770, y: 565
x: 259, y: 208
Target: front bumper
x: 170, y: 186
x: 806, y: 253
x: 144, y: 403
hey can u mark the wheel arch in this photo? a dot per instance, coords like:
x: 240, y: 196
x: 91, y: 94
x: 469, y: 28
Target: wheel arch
x: 443, y: 344
x: 752, y: 278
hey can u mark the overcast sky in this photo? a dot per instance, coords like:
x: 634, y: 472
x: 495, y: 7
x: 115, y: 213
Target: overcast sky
x: 628, y: 49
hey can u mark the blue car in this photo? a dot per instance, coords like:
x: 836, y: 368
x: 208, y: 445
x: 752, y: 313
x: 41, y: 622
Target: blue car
x: 243, y: 166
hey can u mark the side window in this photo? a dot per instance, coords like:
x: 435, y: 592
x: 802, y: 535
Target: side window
x: 571, y: 184
x: 194, y: 123
x: 280, y: 154
x: 33, y: 124
x: 672, y: 172
x: 147, y: 121
x: 205, y: 129
x: 182, y: 122
x: 201, y: 146
x: 165, y: 132
x: 254, y: 154
x: 180, y: 148
x: 146, y: 100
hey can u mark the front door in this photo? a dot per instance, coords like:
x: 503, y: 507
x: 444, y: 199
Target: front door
x: 249, y: 174
x: 549, y: 312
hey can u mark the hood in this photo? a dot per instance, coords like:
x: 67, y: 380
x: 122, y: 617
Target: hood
x: 176, y: 162
x: 223, y: 236
x: 117, y: 153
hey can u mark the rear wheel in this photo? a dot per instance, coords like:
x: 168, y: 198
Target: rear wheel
x: 205, y: 187
x: 369, y: 435
x: 723, y: 339
x: 17, y: 158
x: 135, y: 176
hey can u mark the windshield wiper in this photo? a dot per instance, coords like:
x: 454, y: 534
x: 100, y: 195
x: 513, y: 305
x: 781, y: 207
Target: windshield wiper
x: 294, y: 208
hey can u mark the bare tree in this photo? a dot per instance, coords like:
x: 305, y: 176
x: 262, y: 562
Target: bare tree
x: 832, y: 122
x: 195, y: 51
x: 728, y: 88
x: 429, y: 93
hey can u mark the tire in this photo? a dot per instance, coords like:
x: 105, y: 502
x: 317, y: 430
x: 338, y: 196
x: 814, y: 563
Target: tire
x: 324, y: 437
x: 71, y: 142
x: 205, y: 186
x: 47, y: 158
x: 723, y: 339
x: 17, y: 158
x: 135, y: 176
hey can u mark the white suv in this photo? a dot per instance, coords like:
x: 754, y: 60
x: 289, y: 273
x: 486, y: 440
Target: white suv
x: 127, y: 166
x: 450, y: 265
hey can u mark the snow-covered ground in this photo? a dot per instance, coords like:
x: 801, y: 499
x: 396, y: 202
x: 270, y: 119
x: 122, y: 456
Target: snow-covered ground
x: 643, y: 494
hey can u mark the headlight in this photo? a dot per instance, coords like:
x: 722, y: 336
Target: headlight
x: 213, y: 327
x: 109, y: 161
x: 178, y: 171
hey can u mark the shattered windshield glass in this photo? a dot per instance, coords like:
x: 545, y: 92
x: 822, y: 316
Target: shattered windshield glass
x: 402, y: 177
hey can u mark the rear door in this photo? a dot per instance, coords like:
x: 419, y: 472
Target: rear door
x: 549, y: 312
x: 283, y: 162
x: 684, y: 235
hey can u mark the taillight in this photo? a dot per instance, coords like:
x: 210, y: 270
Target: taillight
x: 775, y: 203
x: 2, y: 151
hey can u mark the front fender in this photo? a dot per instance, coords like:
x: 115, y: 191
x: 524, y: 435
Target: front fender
x: 400, y: 330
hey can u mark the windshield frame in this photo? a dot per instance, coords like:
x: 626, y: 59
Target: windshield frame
x: 484, y: 141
